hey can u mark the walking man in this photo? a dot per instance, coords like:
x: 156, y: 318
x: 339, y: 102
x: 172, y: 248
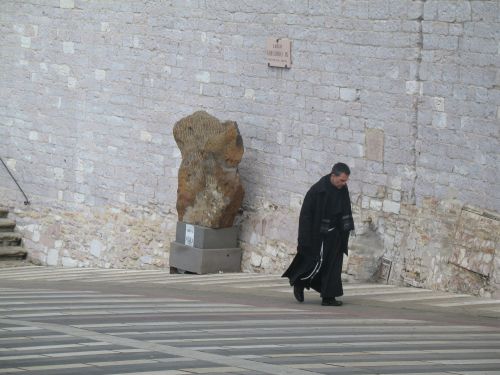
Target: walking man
x: 324, y: 225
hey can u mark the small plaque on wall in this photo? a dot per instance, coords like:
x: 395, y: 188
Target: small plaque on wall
x: 279, y: 52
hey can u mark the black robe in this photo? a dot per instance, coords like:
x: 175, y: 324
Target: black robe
x: 318, y: 263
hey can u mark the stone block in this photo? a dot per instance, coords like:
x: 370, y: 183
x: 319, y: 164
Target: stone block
x: 391, y: 207
x: 52, y: 257
x: 206, y: 238
x: 67, y: 4
x: 203, y: 261
x: 348, y: 94
x: 374, y: 144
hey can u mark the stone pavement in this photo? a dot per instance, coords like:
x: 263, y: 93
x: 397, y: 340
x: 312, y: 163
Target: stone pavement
x: 97, y: 321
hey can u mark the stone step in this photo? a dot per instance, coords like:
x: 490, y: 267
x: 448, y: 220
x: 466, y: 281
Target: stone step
x: 10, y: 239
x: 7, y: 225
x: 12, y: 251
x: 3, y: 212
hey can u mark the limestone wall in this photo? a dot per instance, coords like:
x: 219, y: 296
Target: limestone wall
x: 405, y: 91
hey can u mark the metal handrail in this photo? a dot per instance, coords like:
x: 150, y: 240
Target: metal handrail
x: 26, y: 201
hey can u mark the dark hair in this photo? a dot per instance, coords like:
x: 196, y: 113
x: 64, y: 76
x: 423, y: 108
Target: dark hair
x: 340, y: 168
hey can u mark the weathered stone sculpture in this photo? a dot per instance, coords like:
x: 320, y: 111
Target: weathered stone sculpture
x: 209, y: 196
x: 209, y: 188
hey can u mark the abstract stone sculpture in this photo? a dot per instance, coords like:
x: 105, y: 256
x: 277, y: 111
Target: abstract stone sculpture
x: 209, y: 190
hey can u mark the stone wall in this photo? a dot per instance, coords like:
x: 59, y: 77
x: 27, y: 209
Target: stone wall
x: 105, y: 237
x: 405, y: 91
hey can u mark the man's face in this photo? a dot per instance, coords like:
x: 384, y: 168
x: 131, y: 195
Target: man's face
x: 339, y: 181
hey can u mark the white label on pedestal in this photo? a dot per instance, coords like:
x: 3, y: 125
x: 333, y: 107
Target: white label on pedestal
x: 189, y: 239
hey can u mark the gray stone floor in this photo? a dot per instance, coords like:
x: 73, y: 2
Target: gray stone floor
x: 96, y: 321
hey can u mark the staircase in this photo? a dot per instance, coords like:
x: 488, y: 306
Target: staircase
x: 10, y: 241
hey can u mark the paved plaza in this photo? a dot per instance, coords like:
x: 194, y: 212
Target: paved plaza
x: 97, y: 321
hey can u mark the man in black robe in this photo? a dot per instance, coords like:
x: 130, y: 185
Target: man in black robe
x: 324, y: 225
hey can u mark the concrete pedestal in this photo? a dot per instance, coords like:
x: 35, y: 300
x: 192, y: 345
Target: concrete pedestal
x: 206, y: 238
x: 204, y: 250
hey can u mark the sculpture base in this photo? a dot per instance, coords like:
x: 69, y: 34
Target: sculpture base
x: 202, y: 261
x: 201, y: 250
x: 206, y: 238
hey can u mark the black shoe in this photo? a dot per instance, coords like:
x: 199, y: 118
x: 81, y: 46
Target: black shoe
x: 298, y: 293
x: 330, y: 302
